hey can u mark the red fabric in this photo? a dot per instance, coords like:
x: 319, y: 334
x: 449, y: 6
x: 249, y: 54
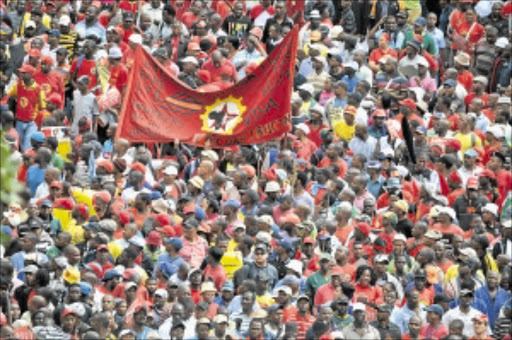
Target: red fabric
x: 87, y: 68
x: 51, y: 83
x: 129, y: 5
x: 258, y: 9
x: 233, y: 116
x: 27, y: 100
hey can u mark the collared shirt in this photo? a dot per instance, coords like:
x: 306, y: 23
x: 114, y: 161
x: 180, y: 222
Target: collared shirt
x: 402, y: 316
x: 374, y: 186
x: 315, y: 281
x: 466, y: 318
x: 245, y: 55
x: 367, y: 147
x: 97, y: 29
x: 370, y: 333
x: 390, y: 329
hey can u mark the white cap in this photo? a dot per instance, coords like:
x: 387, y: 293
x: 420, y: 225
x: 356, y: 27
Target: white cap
x: 314, y: 14
x: 501, y: 42
x: 402, y: 170
x: 295, y: 265
x: 210, y: 154
x: 267, y: 219
x: 171, y: 170
x: 318, y: 108
x: 492, y: 208
x: 136, y: 38
x: 263, y: 236
x: 190, y: 59
x: 504, y: 100
x: 30, y: 23
x: 496, y: 131
x: 352, y: 64
x: 130, y: 285
x: 358, y: 306
x: 308, y: 88
x: 115, y: 52
x: 272, y: 186
x: 469, y: 252
x: 448, y: 211
x: 481, y: 79
x: 64, y: 20
x: 320, y: 59
x: 400, y: 237
x: 303, y: 127
x: 336, y: 30
x: 285, y: 289
x: 422, y: 61
x: 162, y: 293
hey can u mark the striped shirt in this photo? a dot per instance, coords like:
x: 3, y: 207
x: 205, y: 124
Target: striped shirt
x: 68, y: 41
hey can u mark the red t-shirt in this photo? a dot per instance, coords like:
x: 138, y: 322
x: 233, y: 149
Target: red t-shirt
x: 50, y: 83
x: 215, y: 274
x: 118, y: 77
x: 87, y: 68
x: 28, y: 100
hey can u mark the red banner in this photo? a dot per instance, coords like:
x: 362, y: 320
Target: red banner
x: 158, y: 108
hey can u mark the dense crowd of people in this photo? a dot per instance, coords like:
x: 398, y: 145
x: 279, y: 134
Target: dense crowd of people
x: 385, y: 213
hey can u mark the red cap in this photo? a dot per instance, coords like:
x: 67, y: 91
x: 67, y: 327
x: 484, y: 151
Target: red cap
x: 249, y: 170
x: 205, y: 228
x: 124, y: 217
x: 83, y: 210
x: 454, y: 177
x: 408, y: 102
x: 472, y: 183
x: 481, y: 317
x: 56, y: 184
x: 34, y: 53
x: 163, y: 219
x: 290, y: 218
x: 68, y: 311
x: 64, y: 203
x: 270, y: 174
x: 385, y: 35
x: 103, y: 195
x: 379, y: 113
x: 487, y: 173
x: 106, y: 164
x: 454, y: 144
x: 204, y: 76
x: 189, y: 208
x: 309, y: 239
x: 55, y: 98
x: 364, y: 227
x: 25, y: 68
x: 154, y: 239
x: 47, y: 60
x: 167, y: 230
x: 102, y: 247
x: 234, y: 148
x: 350, y: 110
x: 193, y: 47
x: 137, y: 166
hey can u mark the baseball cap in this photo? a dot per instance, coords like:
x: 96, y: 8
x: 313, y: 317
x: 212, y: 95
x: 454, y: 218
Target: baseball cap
x: 358, y: 306
x: 435, y: 309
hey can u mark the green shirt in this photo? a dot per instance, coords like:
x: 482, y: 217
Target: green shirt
x: 315, y: 281
x: 57, y: 161
x: 429, y: 44
x: 53, y: 252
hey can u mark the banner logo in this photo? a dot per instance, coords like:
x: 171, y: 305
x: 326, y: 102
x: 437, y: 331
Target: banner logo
x: 223, y: 116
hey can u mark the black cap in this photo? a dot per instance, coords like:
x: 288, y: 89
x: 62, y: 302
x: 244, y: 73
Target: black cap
x: 35, y: 223
x: 384, y: 308
x: 420, y: 273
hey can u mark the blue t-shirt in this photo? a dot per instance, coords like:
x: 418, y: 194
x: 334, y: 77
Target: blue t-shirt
x: 35, y: 176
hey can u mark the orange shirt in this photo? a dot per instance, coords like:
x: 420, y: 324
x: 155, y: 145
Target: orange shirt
x: 466, y: 80
x: 343, y: 233
x: 118, y: 77
x: 379, y: 53
x: 451, y: 229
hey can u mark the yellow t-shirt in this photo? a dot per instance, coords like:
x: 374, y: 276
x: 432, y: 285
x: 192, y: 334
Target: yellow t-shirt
x: 344, y: 131
x: 466, y: 141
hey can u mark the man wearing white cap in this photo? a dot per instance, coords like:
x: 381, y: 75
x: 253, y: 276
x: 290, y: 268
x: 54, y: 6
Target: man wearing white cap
x: 306, y: 147
x: 318, y: 77
x: 350, y: 75
x: 172, y: 187
x: 360, y: 329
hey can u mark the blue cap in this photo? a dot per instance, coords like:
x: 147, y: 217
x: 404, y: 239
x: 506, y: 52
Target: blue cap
x: 46, y: 203
x: 37, y: 137
x: 374, y: 165
x: 232, y: 203
x: 285, y: 243
x: 155, y: 195
x: 435, y: 309
x: 338, y: 58
x: 394, y: 183
x: 92, y: 226
x: 111, y: 274
x: 471, y: 153
x: 86, y: 288
x: 450, y: 82
x: 176, y: 242
x: 228, y: 286
x: 415, y: 43
x: 422, y: 129
x: 166, y: 268
x: 420, y: 21
x: 137, y: 241
x: 199, y: 213
x: 291, y: 280
x: 55, y: 32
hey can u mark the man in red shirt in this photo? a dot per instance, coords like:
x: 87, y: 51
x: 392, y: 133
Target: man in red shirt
x: 85, y: 65
x: 118, y: 72
x: 503, y: 176
x: 327, y: 292
x: 50, y: 81
x: 303, y: 318
x: 29, y: 101
x: 216, y: 65
x: 284, y: 300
